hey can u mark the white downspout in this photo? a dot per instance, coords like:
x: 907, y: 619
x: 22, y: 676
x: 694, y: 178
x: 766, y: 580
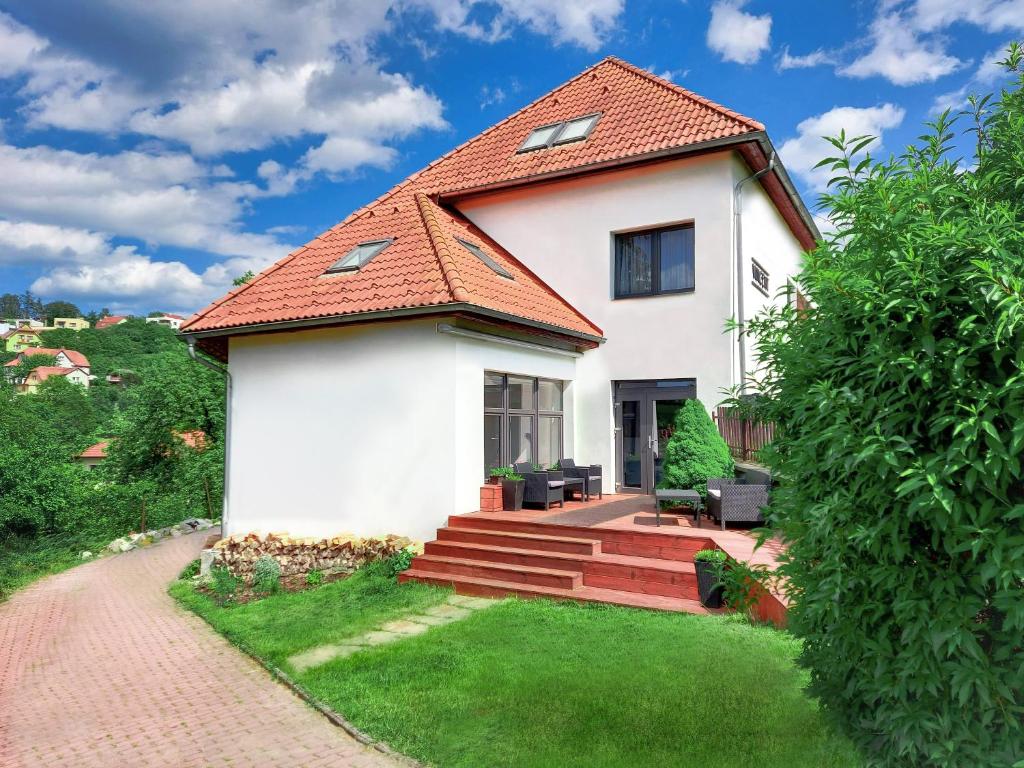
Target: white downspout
x: 738, y: 240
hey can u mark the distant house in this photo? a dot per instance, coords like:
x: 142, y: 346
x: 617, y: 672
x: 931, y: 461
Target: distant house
x: 17, y: 339
x: 65, y: 358
x: 71, y: 323
x: 24, y: 322
x: 94, y: 454
x: 110, y: 321
x: 172, y: 321
x: 30, y: 384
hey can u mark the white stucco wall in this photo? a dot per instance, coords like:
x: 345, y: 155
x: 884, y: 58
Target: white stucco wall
x: 768, y: 240
x: 565, y: 233
x: 371, y: 430
x: 343, y: 430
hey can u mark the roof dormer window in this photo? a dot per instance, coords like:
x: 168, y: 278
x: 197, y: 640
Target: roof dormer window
x: 358, y: 257
x: 477, y: 251
x: 564, y: 132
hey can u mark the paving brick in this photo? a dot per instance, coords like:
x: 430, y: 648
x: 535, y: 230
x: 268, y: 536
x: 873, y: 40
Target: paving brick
x: 100, y: 667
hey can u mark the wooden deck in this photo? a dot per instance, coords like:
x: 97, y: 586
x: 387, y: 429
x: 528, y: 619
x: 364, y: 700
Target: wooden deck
x: 605, y: 551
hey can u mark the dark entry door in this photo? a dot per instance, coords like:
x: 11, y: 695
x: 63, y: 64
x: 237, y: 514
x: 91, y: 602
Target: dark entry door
x: 645, y: 414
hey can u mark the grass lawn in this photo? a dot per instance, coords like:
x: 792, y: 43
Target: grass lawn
x: 24, y: 560
x: 281, y: 625
x: 535, y: 683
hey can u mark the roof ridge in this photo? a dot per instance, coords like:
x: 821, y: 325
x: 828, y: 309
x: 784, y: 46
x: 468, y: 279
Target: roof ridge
x: 456, y: 285
x: 668, y: 85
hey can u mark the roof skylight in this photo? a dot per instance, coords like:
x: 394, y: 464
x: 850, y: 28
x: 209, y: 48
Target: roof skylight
x: 478, y: 252
x: 565, y: 132
x: 358, y: 256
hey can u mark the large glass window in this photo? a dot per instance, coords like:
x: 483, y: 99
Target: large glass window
x: 522, y: 420
x: 654, y: 261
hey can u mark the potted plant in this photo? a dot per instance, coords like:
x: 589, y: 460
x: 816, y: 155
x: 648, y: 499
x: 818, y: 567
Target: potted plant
x: 513, y: 488
x: 495, y: 475
x: 710, y: 565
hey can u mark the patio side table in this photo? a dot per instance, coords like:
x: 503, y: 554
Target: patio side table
x: 673, y: 494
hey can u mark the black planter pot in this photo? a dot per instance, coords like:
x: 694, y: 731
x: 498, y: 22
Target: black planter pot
x: 708, y: 584
x: 512, y: 492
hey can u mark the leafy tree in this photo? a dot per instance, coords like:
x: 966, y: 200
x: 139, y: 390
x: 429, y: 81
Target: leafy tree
x: 60, y: 309
x: 10, y: 306
x: 898, y: 399
x: 29, y: 363
x: 31, y: 306
x: 695, y: 451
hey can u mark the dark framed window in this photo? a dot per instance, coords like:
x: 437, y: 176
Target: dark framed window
x: 654, y: 261
x: 760, y: 277
x: 522, y: 420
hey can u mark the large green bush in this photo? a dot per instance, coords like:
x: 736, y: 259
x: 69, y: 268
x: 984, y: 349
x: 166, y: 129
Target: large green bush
x: 898, y: 398
x: 695, y: 451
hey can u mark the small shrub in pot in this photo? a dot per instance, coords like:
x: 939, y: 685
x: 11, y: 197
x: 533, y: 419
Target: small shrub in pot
x: 710, y: 565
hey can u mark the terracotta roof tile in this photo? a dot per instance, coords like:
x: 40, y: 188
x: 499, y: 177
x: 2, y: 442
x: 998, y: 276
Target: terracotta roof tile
x: 76, y: 358
x: 424, y: 267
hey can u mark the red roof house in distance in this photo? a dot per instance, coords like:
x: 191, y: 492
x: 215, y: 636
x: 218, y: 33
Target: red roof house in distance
x: 96, y: 453
x: 65, y: 358
x: 555, y: 287
x: 110, y: 321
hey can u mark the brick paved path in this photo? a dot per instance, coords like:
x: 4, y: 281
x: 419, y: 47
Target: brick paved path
x: 100, y: 667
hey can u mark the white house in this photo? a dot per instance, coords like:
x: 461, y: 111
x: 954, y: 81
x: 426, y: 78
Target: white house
x: 171, y: 321
x: 554, y: 287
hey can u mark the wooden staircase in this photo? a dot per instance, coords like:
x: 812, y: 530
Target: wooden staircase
x: 498, y: 557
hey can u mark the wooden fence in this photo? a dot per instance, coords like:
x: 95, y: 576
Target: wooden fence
x: 744, y: 437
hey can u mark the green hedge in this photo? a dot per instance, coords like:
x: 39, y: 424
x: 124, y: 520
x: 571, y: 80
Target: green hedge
x: 898, y: 399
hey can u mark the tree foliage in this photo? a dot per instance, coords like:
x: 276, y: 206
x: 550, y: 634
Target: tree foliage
x: 898, y: 399
x: 695, y: 451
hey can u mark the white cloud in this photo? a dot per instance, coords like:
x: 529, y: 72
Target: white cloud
x: 166, y: 199
x: 990, y: 15
x: 804, y: 151
x: 28, y: 242
x: 901, y: 55
x: 812, y: 59
x: 18, y: 46
x: 586, y: 23
x: 491, y: 95
x: 736, y: 35
x: 988, y: 73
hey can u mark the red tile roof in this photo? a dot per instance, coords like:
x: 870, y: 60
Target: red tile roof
x: 194, y: 438
x: 640, y: 115
x: 110, y: 320
x: 77, y: 359
x: 98, y: 451
x: 43, y: 372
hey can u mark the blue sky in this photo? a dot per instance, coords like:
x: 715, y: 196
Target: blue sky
x: 150, y: 152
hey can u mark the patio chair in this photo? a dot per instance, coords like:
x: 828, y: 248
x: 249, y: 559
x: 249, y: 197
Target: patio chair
x: 590, y: 475
x: 732, y: 502
x: 542, y: 487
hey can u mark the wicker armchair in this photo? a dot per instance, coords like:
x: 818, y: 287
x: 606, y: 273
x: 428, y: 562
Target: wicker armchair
x: 590, y: 475
x: 730, y: 501
x: 542, y: 487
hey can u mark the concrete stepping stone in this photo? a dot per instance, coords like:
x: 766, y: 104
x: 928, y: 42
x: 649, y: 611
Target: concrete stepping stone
x: 456, y: 607
x: 321, y: 655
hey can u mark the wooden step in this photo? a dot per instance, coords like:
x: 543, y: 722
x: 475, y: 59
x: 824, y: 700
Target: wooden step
x: 468, y: 585
x: 670, y: 578
x: 541, y: 542
x: 485, y: 569
x: 653, y: 543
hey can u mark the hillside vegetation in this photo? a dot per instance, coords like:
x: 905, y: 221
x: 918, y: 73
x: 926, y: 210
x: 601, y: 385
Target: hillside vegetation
x: 52, y: 507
